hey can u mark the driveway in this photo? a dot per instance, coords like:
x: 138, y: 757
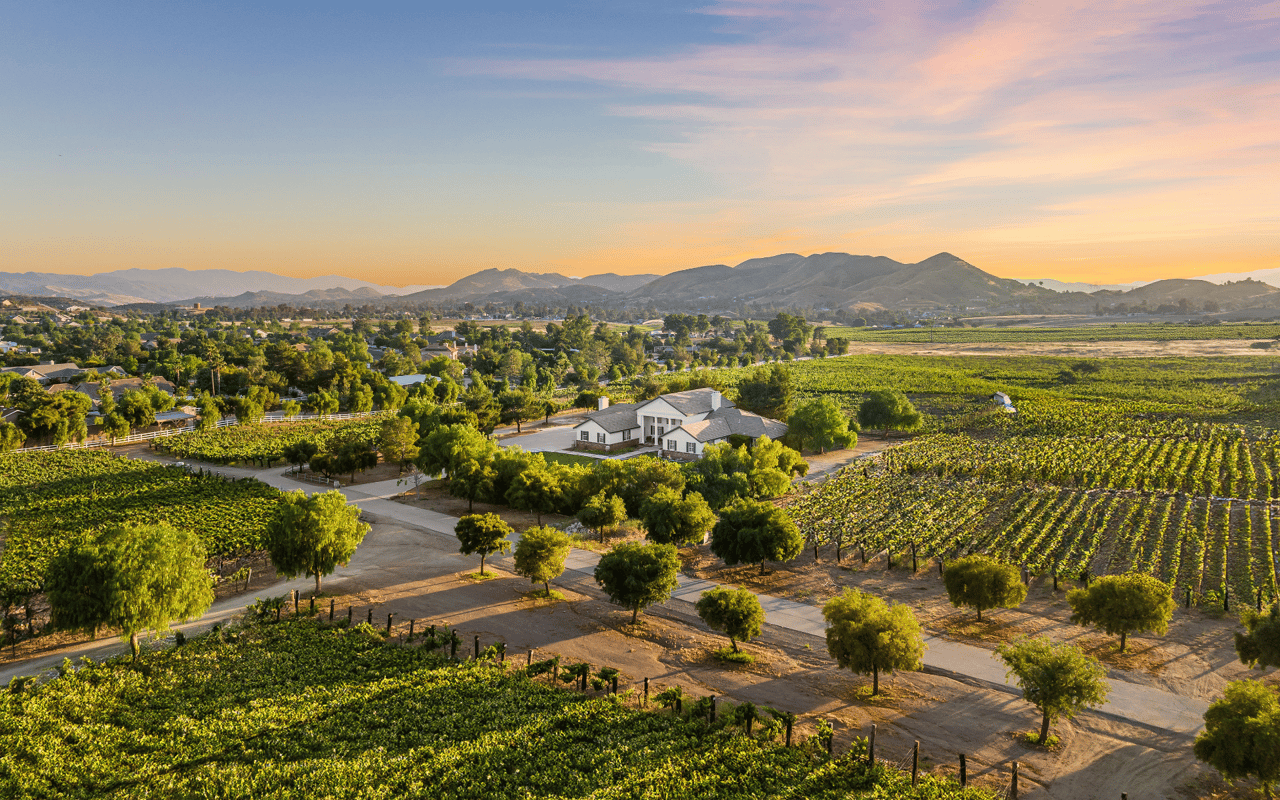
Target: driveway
x: 559, y: 437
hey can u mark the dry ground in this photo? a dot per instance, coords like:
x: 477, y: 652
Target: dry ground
x: 1116, y: 349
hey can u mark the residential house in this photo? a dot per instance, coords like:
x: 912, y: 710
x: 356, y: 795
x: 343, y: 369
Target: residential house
x: 680, y: 424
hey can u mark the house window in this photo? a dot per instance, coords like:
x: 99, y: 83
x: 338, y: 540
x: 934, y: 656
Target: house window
x: 689, y: 447
x: 650, y: 430
x: 671, y: 444
x: 600, y: 438
x: 586, y: 437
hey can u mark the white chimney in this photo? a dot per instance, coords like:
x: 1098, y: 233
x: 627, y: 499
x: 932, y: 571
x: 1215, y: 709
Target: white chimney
x: 715, y: 401
x: 602, y: 403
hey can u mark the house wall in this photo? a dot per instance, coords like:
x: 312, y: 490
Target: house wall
x: 683, y: 443
x: 599, y: 440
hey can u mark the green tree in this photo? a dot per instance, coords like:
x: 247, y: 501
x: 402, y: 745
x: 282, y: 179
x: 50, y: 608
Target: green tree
x: 472, y: 479
x: 867, y: 635
x: 291, y: 408
x: 636, y: 576
x: 536, y: 489
x: 751, y: 531
x: 209, y: 412
x: 398, y: 441
x: 115, y: 426
x: 519, y: 406
x: 819, y: 424
x: 1241, y: 736
x: 1259, y: 646
x: 735, y: 612
x: 484, y: 534
x: 1123, y: 604
x: 980, y: 582
x: 669, y: 518
x: 314, y: 535
x: 247, y: 411
x: 540, y: 555
x: 768, y: 392
x: 889, y: 409
x: 447, y: 446
x: 136, y: 578
x: 1059, y: 679
x: 11, y: 437
x: 603, y: 511
x: 300, y: 452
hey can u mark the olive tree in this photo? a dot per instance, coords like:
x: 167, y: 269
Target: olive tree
x: 819, y: 424
x: 866, y: 635
x: 1057, y: 678
x: 1241, y: 736
x: 484, y: 534
x: 1123, y: 604
x: 751, y: 531
x: 314, y: 535
x: 1259, y: 646
x: 136, y: 578
x: 736, y: 612
x: 980, y: 582
x: 636, y: 576
x: 540, y: 555
x: 889, y: 409
x: 603, y: 511
x: 669, y: 518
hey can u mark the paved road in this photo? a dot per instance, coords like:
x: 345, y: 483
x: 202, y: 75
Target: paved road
x: 1128, y: 702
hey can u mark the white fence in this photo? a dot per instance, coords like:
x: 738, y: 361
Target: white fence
x: 225, y: 422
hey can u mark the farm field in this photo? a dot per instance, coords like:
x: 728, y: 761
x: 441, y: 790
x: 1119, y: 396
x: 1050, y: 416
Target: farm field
x: 303, y: 709
x: 264, y: 443
x: 1097, y: 332
x: 51, y: 498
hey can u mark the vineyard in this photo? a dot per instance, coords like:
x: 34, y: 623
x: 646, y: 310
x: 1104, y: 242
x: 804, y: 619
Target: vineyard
x: 300, y: 710
x: 1199, y: 511
x: 49, y: 499
x: 265, y: 443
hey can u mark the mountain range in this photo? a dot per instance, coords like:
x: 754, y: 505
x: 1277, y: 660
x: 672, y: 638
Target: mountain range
x: 821, y: 281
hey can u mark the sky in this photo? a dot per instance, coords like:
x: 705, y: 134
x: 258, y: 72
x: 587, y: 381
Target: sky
x: 414, y: 143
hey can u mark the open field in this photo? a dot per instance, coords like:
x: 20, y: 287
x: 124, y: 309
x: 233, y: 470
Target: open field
x: 1087, y: 329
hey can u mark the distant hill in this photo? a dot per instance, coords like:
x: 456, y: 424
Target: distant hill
x: 1267, y: 276
x: 127, y: 286
x: 1060, y: 286
x: 614, y: 282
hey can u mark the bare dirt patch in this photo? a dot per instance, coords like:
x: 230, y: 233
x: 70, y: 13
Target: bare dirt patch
x: 438, y: 499
x: 1196, y: 658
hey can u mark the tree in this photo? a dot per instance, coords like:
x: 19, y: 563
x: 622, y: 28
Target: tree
x: 210, y: 413
x: 447, y: 446
x: 398, y: 441
x: 300, y: 452
x: 819, y: 424
x: 1057, y: 678
x: 735, y: 612
x: 1259, y: 646
x: 768, y: 392
x: 114, y: 426
x: 889, y: 409
x: 11, y: 437
x: 484, y: 534
x: 136, y: 578
x: 535, y: 489
x: 603, y: 511
x: 669, y: 518
x: 865, y: 634
x: 314, y: 535
x: 519, y: 406
x: 540, y: 555
x: 1241, y: 736
x: 636, y: 576
x: 291, y: 408
x: 981, y: 582
x: 750, y: 531
x: 472, y: 478
x: 247, y: 411
x: 1123, y: 604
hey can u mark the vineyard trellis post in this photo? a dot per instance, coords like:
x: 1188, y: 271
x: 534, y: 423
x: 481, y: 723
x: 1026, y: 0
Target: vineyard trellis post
x: 871, y: 746
x: 964, y: 772
x: 349, y: 610
x: 476, y: 644
x: 369, y: 620
x: 389, y: 616
x: 646, y: 691
x: 1013, y: 785
x: 915, y: 763
x: 411, y: 622
x: 313, y: 605
x: 331, y: 602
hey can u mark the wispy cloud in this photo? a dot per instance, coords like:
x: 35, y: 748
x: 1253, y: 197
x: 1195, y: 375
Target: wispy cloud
x: 1004, y: 127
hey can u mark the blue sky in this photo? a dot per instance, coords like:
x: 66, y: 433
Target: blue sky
x: 415, y: 143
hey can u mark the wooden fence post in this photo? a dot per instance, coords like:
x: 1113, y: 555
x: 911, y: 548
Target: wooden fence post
x: 964, y: 772
x: 915, y: 763
x: 313, y: 604
x: 411, y: 621
x: 389, y: 616
x: 613, y: 684
x: 331, y: 602
x: 349, y: 610
x: 369, y: 621
x: 529, y: 662
x: 712, y: 716
x: 914, y: 568
x: 871, y: 746
x: 295, y: 601
x: 788, y: 731
x: 1013, y: 787
x: 477, y: 647
x: 646, y: 691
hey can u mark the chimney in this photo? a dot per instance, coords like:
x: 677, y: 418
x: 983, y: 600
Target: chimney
x: 602, y: 403
x: 715, y: 401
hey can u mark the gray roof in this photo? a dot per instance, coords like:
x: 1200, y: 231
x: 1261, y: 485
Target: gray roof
x: 726, y: 422
x: 694, y: 401
x: 613, y: 419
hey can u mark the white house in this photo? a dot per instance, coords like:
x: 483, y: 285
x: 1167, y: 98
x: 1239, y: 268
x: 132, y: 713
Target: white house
x: 680, y: 424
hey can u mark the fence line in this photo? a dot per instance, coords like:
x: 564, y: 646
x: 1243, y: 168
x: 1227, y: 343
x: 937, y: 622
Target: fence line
x: 225, y: 422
